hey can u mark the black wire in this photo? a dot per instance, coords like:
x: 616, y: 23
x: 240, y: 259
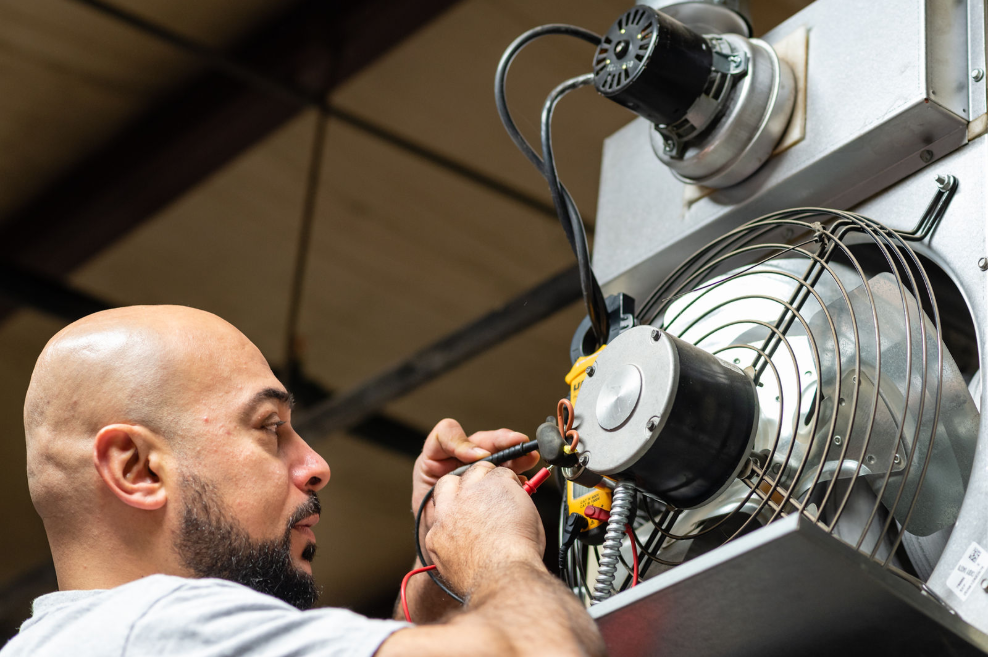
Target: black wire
x: 422, y: 559
x: 497, y: 458
x: 597, y: 309
x: 565, y: 207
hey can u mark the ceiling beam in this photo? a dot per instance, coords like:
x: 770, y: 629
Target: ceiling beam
x: 312, y: 48
x: 21, y: 287
x: 349, y: 409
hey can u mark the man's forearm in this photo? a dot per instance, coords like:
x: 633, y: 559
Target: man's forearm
x: 535, y: 612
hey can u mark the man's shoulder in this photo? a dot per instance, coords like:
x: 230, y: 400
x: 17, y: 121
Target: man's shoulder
x: 165, y: 615
x: 102, y: 621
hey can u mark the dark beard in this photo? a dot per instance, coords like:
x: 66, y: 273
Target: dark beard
x: 213, y: 544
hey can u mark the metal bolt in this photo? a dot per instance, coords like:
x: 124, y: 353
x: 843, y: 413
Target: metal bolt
x: 983, y: 264
x: 896, y: 459
x: 926, y: 155
x: 978, y: 74
x: 656, y: 335
x: 590, y: 371
x: 837, y: 440
x: 985, y: 585
x: 942, y: 182
x: 652, y: 423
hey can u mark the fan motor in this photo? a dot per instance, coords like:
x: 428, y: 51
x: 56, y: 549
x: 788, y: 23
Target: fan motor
x: 719, y: 103
x: 677, y: 420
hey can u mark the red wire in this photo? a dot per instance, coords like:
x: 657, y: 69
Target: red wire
x: 566, y: 431
x: 635, y: 561
x: 405, y: 582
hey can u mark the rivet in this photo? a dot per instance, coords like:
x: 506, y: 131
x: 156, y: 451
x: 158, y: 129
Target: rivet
x: 983, y: 264
x: 837, y: 440
x: 926, y: 155
x: 870, y: 459
x: 978, y: 74
x: 896, y: 459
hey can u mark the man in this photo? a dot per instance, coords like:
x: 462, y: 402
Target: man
x: 179, y: 505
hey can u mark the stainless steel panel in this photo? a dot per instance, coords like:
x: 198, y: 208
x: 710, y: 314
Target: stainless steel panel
x: 957, y: 245
x: 887, y: 90
x: 786, y: 589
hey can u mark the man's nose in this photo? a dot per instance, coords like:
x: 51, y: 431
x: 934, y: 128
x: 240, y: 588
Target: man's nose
x: 310, y: 470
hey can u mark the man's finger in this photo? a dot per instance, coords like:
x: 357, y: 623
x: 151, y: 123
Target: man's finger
x: 477, y: 471
x: 447, y: 439
x: 495, y: 441
x: 445, y: 487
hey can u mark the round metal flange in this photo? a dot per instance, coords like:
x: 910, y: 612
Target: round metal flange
x: 707, y: 17
x: 743, y: 139
x: 615, y: 431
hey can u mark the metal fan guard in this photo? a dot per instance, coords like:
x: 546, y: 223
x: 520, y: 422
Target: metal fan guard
x: 819, y: 236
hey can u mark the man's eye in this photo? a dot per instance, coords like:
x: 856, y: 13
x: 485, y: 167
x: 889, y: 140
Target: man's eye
x: 273, y: 426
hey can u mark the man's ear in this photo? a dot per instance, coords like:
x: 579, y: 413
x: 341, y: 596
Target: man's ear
x: 129, y: 458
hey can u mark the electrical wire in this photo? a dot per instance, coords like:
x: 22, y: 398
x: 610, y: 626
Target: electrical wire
x: 565, y: 207
x: 566, y: 427
x: 635, y: 559
x: 405, y: 582
x: 567, y: 210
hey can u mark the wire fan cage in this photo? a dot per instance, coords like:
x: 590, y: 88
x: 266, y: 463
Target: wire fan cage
x: 866, y: 425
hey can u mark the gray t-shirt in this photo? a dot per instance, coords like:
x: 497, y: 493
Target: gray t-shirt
x: 165, y: 615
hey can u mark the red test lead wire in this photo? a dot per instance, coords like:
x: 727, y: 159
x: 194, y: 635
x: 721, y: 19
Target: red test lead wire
x: 405, y: 582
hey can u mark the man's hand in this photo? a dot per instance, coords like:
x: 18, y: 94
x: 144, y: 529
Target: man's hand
x: 487, y: 541
x: 447, y: 448
x: 483, y: 521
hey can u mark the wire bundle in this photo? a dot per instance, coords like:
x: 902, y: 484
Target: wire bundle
x: 566, y: 209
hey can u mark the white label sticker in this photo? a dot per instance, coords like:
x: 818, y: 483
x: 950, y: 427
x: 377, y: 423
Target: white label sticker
x: 969, y: 572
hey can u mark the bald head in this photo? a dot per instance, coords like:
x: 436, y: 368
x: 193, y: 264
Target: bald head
x: 136, y: 365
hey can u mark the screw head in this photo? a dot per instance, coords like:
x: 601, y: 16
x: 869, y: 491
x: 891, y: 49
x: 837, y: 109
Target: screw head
x: 870, y: 459
x: 926, y: 155
x: 983, y: 264
x: 837, y: 440
x: 590, y: 371
x: 656, y: 335
x: 896, y: 459
x: 652, y: 423
x: 978, y: 74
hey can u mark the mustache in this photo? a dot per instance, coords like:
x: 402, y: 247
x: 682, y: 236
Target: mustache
x: 308, y: 508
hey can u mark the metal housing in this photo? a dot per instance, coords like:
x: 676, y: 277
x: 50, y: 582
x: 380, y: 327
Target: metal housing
x: 880, y: 122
